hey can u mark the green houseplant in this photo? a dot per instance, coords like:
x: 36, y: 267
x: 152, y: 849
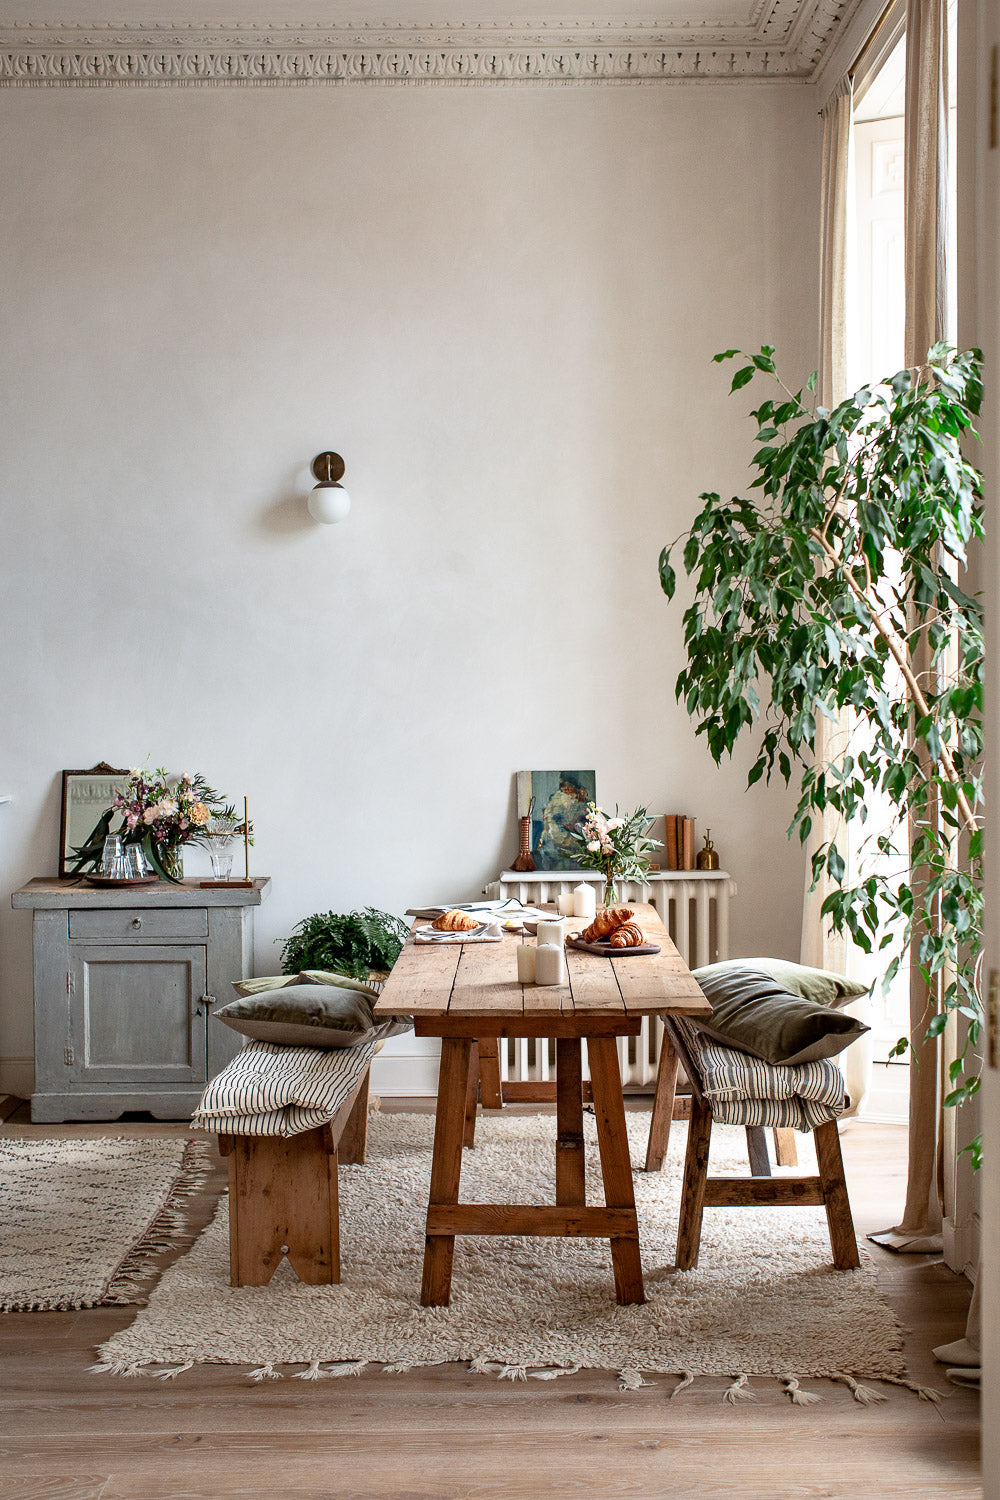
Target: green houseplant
x: 355, y: 943
x: 834, y: 590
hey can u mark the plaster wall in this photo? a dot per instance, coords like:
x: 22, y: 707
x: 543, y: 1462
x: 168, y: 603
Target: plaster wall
x: 499, y: 304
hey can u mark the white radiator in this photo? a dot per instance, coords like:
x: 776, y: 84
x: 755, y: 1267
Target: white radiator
x: 693, y: 907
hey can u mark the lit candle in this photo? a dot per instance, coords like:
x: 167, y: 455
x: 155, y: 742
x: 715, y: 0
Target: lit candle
x: 566, y: 906
x: 585, y: 902
x: 550, y: 965
x: 525, y: 964
x: 550, y: 934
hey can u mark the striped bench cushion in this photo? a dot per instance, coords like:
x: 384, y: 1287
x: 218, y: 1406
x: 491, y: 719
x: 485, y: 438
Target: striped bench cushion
x: 743, y: 1090
x: 268, y: 1089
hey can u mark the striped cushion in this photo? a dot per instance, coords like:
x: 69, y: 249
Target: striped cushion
x: 743, y: 1090
x: 272, y: 1090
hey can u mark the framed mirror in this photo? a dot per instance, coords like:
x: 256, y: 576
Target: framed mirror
x: 86, y: 796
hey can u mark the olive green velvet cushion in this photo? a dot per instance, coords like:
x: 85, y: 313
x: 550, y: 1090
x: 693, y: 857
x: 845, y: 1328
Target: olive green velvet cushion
x: 311, y: 1009
x: 822, y: 986
x: 754, y: 1013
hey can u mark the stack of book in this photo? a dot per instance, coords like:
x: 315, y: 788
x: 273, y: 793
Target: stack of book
x: 679, y: 842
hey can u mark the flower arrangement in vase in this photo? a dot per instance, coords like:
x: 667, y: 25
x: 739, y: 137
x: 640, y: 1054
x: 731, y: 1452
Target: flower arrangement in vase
x: 616, y: 846
x: 161, y: 813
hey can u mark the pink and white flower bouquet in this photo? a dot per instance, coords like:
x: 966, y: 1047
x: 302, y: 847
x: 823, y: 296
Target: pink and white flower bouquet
x: 617, y: 846
x: 163, y: 813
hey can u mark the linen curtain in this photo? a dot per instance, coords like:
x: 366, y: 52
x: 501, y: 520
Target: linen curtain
x: 926, y: 288
x: 820, y: 947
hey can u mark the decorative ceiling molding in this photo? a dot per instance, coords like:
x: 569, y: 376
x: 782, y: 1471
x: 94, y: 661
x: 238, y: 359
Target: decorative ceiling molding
x: 784, y: 41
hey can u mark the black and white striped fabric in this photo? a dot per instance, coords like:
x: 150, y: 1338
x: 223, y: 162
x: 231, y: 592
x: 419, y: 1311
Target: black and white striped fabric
x: 743, y: 1090
x: 269, y: 1089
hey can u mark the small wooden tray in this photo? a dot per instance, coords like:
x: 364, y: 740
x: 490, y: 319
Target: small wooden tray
x: 605, y: 949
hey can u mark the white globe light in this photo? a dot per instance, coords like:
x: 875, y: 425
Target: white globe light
x: 329, y: 503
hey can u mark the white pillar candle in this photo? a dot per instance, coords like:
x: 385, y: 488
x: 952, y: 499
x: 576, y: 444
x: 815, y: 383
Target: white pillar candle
x: 550, y: 934
x: 525, y: 964
x: 585, y: 902
x: 566, y: 904
x: 550, y: 965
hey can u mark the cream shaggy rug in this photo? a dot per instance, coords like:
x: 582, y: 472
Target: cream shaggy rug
x: 765, y: 1299
x: 83, y: 1219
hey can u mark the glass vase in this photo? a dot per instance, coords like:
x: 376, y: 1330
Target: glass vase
x: 612, y: 892
x: 171, y: 857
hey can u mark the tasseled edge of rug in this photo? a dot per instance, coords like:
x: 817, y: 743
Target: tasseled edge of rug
x: 629, y: 1378
x: 738, y: 1391
x: 481, y: 1366
x: 798, y: 1396
x: 335, y: 1371
x: 168, y: 1226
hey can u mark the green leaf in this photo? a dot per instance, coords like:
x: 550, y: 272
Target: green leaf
x: 742, y: 378
x: 668, y: 578
x: 726, y: 354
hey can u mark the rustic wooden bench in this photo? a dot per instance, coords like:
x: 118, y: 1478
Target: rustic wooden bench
x: 283, y: 1196
x: 700, y: 1191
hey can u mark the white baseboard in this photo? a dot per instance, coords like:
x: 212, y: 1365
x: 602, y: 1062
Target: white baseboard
x: 17, y: 1076
x: 412, y: 1076
x: 961, y: 1245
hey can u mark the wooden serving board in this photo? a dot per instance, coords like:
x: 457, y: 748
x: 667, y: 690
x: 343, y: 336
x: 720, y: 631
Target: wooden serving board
x: 607, y: 951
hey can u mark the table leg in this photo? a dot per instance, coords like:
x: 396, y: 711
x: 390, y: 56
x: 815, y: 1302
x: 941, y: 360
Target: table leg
x: 472, y: 1098
x: 446, y: 1167
x: 570, y: 1160
x: 490, y: 1085
x: 609, y: 1107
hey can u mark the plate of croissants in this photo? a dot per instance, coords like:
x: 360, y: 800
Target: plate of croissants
x: 615, y: 933
x: 455, y: 920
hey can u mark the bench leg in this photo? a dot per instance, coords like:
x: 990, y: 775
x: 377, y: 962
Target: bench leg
x: 693, y: 1191
x: 786, y: 1153
x: 843, y: 1240
x: 612, y: 1136
x: 446, y: 1167
x: 283, y: 1193
x: 663, y: 1106
x: 354, y: 1137
x: 760, y: 1162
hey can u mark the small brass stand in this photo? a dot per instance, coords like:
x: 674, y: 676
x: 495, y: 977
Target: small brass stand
x: 225, y: 885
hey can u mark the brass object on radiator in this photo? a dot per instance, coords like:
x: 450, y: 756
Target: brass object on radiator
x: 708, y: 858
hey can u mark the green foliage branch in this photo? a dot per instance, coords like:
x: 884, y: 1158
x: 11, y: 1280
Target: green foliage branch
x: 834, y: 588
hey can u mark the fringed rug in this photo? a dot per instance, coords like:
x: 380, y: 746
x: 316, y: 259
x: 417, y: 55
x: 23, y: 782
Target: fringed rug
x: 765, y: 1300
x: 83, y: 1220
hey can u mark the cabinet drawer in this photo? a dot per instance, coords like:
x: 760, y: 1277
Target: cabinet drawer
x: 183, y: 922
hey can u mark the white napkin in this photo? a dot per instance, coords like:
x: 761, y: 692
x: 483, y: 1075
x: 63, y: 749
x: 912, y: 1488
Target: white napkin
x: 485, y: 934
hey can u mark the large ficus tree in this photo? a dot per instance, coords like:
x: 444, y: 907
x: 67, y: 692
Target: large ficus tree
x: 834, y: 589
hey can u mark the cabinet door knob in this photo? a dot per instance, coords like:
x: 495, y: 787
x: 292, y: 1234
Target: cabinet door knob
x: 136, y: 923
x: 206, y: 1001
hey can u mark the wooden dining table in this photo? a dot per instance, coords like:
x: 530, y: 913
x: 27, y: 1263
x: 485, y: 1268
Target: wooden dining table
x: 468, y: 994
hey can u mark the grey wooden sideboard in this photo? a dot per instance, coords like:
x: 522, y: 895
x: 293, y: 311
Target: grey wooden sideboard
x: 125, y: 979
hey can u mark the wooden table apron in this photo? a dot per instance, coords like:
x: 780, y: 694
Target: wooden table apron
x: 468, y: 995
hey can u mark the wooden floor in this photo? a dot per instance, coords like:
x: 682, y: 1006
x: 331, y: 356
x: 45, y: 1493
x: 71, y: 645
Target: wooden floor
x: 445, y: 1433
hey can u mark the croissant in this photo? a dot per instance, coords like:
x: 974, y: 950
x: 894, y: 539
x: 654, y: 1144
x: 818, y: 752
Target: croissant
x: 606, y: 921
x: 455, y: 921
x: 628, y: 935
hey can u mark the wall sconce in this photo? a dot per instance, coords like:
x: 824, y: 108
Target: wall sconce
x: 329, y: 502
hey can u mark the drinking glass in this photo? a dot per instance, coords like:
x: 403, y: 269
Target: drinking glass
x: 114, y: 863
x: 221, y: 832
